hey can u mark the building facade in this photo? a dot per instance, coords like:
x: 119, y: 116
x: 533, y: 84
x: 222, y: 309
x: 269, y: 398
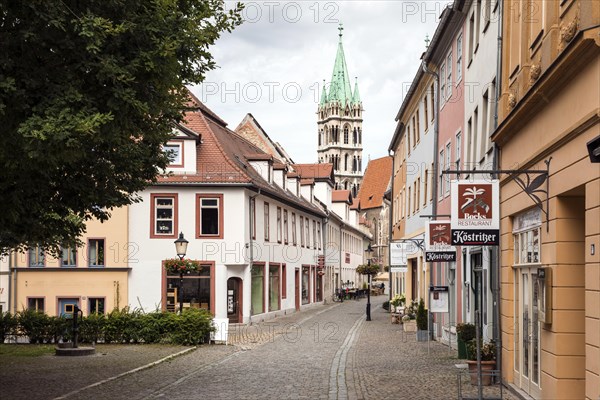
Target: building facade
x: 548, y: 112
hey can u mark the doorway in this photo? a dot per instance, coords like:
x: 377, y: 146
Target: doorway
x: 234, y: 300
x: 414, y: 279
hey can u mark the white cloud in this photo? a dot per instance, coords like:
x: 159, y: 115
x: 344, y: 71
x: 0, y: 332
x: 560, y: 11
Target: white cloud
x: 273, y: 66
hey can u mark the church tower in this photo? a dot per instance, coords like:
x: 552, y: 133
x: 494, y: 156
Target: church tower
x: 340, y: 125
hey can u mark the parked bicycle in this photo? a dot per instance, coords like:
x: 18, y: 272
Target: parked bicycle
x: 338, y: 296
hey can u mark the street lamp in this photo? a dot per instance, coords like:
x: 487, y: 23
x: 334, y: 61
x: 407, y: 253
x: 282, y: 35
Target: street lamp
x: 181, y: 248
x: 369, y: 250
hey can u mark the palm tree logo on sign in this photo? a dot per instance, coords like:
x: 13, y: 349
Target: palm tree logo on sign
x: 477, y: 200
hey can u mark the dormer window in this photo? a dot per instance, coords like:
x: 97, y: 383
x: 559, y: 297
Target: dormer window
x: 174, y: 150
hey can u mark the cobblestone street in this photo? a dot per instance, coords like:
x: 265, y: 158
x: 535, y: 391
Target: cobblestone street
x: 326, y: 352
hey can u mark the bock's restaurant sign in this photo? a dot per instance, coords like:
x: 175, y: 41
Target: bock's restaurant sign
x: 437, y: 242
x: 475, y: 216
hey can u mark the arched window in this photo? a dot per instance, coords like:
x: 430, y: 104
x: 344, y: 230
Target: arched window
x: 354, y: 190
x: 354, y: 136
x: 346, y: 162
x: 359, y: 136
x: 346, y: 134
x: 359, y: 165
x: 346, y: 185
x: 354, y: 164
x: 320, y: 137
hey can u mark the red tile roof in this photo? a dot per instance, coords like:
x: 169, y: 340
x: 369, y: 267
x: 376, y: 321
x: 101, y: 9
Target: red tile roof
x: 375, y: 183
x: 341, y: 196
x: 321, y: 171
x: 222, y: 158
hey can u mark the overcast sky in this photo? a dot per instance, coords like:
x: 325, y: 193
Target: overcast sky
x: 274, y: 64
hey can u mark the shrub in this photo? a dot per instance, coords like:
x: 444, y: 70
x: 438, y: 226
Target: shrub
x: 421, y: 316
x: 8, y: 325
x: 465, y: 331
x: 33, y: 324
x: 92, y: 328
x: 193, y: 326
x: 386, y: 305
x: 488, y: 350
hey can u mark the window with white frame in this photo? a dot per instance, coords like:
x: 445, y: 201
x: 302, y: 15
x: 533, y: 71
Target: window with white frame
x: 526, y: 235
x: 441, y: 176
x: 459, y: 44
x: 285, y: 226
x: 314, y: 233
x: 301, y: 231
x: 319, y: 235
x: 294, y: 242
x: 307, y: 226
x: 447, y: 167
x: 443, y: 82
x: 164, y: 215
x: 278, y: 224
x: 174, y: 152
x: 266, y: 221
x: 458, y: 150
x: 449, y: 76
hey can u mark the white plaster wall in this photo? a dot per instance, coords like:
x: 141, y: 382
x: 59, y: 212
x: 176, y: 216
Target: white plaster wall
x: 323, y: 192
x: 146, y: 264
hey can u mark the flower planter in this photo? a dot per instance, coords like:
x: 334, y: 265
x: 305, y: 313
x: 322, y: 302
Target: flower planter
x: 486, y: 372
x: 422, y: 336
x: 396, y: 318
x: 410, y: 326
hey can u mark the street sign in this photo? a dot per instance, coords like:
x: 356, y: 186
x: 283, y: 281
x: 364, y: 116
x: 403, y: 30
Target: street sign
x: 438, y: 299
x: 400, y: 252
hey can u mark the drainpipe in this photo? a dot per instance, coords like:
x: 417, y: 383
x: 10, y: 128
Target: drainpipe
x: 390, y: 227
x: 10, y: 277
x: 495, y: 166
x: 324, y: 248
x: 251, y: 218
x: 434, y: 185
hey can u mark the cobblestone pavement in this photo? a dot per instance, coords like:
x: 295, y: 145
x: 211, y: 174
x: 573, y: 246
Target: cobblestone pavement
x: 326, y: 352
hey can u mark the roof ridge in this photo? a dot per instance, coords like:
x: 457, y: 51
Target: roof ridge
x: 222, y: 151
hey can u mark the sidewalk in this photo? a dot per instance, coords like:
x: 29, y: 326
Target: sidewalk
x: 389, y: 363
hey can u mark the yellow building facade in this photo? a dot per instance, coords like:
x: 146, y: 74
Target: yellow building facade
x: 549, y: 110
x: 94, y: 277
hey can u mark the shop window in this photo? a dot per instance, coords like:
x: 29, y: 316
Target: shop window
x: 194, y: 293
x: 305, y: 285
x: 258, y: 289
x: 274, y: 287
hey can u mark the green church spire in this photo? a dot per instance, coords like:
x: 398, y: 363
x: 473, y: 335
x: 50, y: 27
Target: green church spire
x: 356, y: 94
x: 340, y: 89
x: 323, y: 95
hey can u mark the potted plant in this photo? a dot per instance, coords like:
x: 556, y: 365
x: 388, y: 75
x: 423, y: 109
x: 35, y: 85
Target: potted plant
x: 422, y: 332
x: 176, y: 266
x: 409, y: 318
x: 397, y: 302
x: 488, y: 361
x: 465, y: 331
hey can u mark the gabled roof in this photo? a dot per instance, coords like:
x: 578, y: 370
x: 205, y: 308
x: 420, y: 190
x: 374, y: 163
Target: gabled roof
x: 250, y: 129
x: 339, y: 196
x: 375, y: 183
x: 223, y: 158
x: 318, y: 172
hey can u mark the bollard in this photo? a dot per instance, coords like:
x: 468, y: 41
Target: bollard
x: 76, y: 312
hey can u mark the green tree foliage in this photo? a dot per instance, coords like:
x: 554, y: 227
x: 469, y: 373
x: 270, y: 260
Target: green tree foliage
x: 89, y: 91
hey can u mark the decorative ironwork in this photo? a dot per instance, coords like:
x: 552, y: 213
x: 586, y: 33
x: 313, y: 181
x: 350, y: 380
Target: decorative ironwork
x: 530, y: 185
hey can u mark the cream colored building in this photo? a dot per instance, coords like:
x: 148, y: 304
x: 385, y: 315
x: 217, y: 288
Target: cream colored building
x: 93, y: 277
x: 549, y: 110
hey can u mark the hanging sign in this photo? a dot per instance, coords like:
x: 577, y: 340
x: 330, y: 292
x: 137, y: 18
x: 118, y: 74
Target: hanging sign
x: 399, y: 252
x: 437, y: 242
x: 475, y: 215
